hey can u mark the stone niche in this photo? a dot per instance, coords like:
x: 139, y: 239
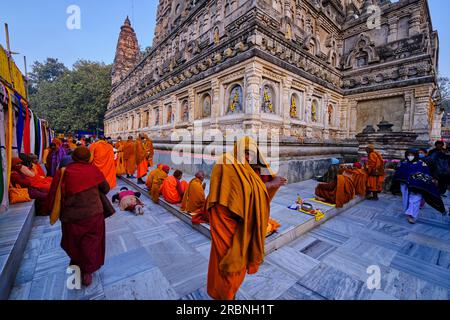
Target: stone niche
x: 372, y: 112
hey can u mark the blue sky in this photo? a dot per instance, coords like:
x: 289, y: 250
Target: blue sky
x: 38, y: 28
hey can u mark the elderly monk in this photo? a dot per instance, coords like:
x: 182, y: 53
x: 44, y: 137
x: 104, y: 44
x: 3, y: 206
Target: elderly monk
x: 194, y: 197
x: 120, y: 162
x: 150, y: 176
x: 129, y: 156
x: 158, y: 179
x: 144, y: 156
x: 102, y: 156
x: 173, y: 188
x: 239, y: 209
x: 359, y: 177
x: 375, y: 172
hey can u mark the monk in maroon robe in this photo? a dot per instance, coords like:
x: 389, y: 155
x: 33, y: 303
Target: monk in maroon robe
x: 81, y: 213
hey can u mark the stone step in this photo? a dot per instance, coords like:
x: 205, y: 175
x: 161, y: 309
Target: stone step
x: 293, y: 224
x: 15, y: 229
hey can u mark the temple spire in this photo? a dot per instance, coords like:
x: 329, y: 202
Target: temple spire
x: 126, y: 53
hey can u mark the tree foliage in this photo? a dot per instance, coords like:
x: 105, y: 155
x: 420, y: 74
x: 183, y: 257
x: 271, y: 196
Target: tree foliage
x: 74, y: 99
x: 444, y: 86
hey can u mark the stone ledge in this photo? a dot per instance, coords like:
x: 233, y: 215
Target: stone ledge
x: 15, y: 229
x: 293, y: 223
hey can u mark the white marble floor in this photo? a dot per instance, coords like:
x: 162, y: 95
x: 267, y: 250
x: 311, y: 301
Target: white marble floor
x: 156, y: 256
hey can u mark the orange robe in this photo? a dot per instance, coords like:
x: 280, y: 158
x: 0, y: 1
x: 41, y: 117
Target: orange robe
x: 339, y: 192
x: 239, y: 209
x: 72, y: 146
x: 150, y: 176
x: 359, y: 177
x: 102, y: 156
x: 194, y: 198
x: 120, y: 163
x: 129, y: 156
x: 169, y: 190
x: 375, y: 171
x: 144, y: 156
x: 37, y: 169
x: 158, y: 179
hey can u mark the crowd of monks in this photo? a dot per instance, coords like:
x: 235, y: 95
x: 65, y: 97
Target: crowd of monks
x: 237, y: 207
x: 342, y: 183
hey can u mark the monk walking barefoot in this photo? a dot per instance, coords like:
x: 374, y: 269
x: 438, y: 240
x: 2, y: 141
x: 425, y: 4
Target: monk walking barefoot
x: 239, y: 209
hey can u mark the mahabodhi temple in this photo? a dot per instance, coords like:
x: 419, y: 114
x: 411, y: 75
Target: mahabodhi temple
x: 322, y: 73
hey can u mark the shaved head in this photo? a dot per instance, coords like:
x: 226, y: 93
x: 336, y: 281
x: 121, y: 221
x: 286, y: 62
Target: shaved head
x: 200, y: 175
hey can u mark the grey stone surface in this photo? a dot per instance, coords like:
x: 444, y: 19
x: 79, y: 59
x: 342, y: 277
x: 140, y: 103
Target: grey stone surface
x: 329, y: 262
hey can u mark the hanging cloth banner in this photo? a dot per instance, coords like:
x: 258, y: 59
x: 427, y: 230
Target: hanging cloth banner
x: 32, y: 133
x: 20, y: 124
x: 9, y: 137
x: 37, y: 137
x: 26, y: 131
x: 4, y: 200
x: 41, y: 147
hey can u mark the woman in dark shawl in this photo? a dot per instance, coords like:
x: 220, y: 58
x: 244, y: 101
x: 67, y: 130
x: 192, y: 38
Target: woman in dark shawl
x: 415, y: 182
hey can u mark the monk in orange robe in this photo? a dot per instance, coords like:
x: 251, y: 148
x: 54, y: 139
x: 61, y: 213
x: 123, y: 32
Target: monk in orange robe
x: 150, y: 176
x: 359, y: 177
x: 129, y: 156
x: 158, y: 179
x: 102, y: 156
x: 72, y: 144
x: 239, y: 210
x: 144, y: 156
x: 36, y: 167
x: 173, y: 188
x: 375, y: 172
x: 338, y: 192
x: 194, y: 197
x: 120, y: 162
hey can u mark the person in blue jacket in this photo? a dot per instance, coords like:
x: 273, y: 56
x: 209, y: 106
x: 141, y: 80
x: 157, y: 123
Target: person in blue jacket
x: 416, y: 183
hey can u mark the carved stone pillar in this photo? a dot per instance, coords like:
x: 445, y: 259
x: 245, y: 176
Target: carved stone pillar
x: 414, y: 23
x: 407, y: 118
x: 352, y: 118
x: 216, y: 98
x: 252, y: 96
x: 286, y: 105
x: 393, y: 29
x: 253, y: 82
x: 191, y: 101
x: 309, y: 94
x: 420, y: 117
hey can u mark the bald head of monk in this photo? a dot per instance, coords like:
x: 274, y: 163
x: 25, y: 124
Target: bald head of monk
x: 200, y: 175
x: 178, y: 174
x: 130, y: 137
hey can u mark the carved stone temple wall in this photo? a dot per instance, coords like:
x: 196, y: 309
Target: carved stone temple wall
x: 317, y: 71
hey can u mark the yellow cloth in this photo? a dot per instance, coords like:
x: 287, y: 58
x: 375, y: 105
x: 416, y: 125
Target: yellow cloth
x: 194, y: 197
x: 9, y: 136
x: 56, y: 210
x: 11, y: 73
x: 120, y: 162
x: 158, y: 180
x: 236, y: 186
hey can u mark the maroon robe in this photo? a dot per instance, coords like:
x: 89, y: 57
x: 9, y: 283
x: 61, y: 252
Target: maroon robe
x: 82, y: 219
